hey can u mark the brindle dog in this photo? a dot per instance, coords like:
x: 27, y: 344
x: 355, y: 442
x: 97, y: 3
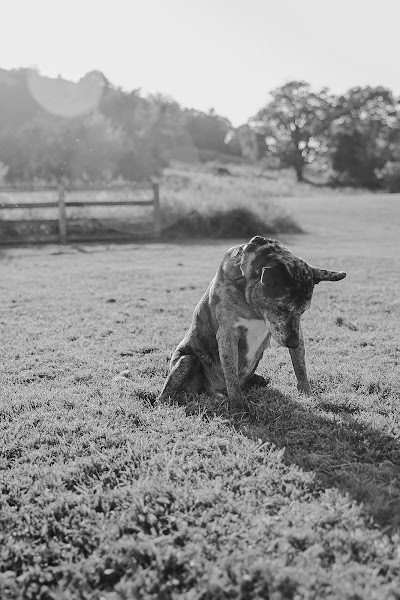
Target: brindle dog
x: 260, y: 290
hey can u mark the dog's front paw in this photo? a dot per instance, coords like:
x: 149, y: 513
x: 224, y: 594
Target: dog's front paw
x: 304, y: 388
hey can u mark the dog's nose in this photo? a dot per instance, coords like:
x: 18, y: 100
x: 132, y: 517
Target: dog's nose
x: 292, y: 341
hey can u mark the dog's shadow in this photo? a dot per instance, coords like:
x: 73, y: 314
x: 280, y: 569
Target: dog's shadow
x: 327, y: 439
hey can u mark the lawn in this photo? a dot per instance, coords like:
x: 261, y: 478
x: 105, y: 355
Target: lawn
x: 105, y: 497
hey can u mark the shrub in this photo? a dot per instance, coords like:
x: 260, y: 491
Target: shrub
x: 390, y: 175
x: 234, y: 222
x: 199, y: 203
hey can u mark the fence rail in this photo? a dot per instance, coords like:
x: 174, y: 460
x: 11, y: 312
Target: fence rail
x: 64, y: 225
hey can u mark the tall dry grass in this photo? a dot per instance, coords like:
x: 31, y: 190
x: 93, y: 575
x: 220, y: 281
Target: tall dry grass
x: 225, y: 201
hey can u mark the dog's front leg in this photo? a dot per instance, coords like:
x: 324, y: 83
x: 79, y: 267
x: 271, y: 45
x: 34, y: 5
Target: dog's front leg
x: 228, y: 354
x: 298, y: 356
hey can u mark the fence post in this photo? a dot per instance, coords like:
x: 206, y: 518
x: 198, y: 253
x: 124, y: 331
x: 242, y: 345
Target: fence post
x: 62, y: 217
x: 157, y: 213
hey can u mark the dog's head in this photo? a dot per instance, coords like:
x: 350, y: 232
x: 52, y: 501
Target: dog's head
x: 279, y: 285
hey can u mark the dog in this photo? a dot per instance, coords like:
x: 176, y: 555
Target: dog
x: 260, y: 291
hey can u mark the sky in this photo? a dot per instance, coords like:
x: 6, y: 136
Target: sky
x: 221, y: 54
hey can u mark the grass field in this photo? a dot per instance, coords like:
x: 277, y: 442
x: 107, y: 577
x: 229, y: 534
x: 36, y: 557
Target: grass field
x: 105, y: 497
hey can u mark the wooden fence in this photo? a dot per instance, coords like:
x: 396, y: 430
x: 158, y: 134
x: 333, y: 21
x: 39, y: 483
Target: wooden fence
x: 65, y: 229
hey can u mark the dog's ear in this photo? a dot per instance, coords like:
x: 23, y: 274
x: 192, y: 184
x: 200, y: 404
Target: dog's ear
x: 324, y: 275
x: 274, y: 280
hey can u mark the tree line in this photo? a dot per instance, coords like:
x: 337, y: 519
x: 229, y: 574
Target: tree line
x: 356, y: 136
x: 353, y: 138
x: 129, y: 135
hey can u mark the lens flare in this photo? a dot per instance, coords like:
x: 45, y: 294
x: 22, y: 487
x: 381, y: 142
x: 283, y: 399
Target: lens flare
x: 66, y: 98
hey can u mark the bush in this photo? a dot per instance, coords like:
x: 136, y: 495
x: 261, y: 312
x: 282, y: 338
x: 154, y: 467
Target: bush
x: 229, y: 223
x: 200, y: 203
x: 390, y: 175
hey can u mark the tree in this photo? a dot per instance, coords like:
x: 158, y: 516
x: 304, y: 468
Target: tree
x: 248, y: 142
x: 52, y: 148
x: 153, y: 129
x: 16, y: 103
x: 294, y: 124
x: 208, y: 131
x: 366, y: 137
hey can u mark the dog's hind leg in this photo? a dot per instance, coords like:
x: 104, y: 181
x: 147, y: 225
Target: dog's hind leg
x: 186, y: 375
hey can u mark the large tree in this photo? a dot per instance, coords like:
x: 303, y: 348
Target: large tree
x: 294, y: 123
x: 366, y: 137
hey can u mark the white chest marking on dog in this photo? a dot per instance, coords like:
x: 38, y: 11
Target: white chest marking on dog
x: 256, y: 333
